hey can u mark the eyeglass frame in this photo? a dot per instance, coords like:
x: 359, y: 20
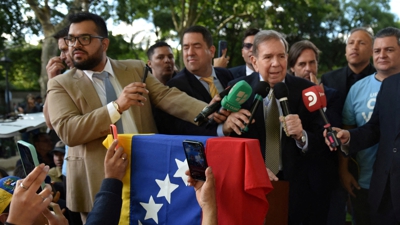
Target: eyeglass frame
x: 68, y: 39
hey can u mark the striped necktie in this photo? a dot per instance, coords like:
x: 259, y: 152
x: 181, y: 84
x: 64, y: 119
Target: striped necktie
x: 211, y: 85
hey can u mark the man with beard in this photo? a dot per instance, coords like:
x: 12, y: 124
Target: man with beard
x: 161, y: 61
x: 84, y: 103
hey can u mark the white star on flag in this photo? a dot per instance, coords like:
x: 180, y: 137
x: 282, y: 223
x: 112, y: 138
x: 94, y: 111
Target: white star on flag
x: 151, y: 209
x: 166, y: 188
x: 182, y: 167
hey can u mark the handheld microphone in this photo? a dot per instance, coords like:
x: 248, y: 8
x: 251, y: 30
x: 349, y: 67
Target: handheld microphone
x: 238, y: 95
x: 208, y: 110
x: 281, y: 93
x: 261, y: 91
x: 314, y: 99
x: 239, y: 87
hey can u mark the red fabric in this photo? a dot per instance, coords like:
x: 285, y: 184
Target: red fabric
x: 242, y: 181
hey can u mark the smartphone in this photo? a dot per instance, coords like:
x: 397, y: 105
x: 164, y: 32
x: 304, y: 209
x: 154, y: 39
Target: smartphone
x: 29, y: 157
x: 146, y: 71
x: 196, y: 158
x: 114, y: 133
x: 222, y: 45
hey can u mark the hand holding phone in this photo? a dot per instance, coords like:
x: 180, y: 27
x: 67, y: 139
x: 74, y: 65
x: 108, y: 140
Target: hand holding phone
x: 146, y: 71
x: 196, y: 158
x: 114, y: 133
x: 222, y: 45
x: 29, y: 158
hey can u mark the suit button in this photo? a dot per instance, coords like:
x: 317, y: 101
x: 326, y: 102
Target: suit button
x: 395, y: 150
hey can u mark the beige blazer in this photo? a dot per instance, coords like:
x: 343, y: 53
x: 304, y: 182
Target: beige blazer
x: 81, y: 121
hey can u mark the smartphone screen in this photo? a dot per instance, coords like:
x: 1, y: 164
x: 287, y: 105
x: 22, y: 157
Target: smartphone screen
x: 222, y: 45
x: 196, y: 158
x: 28, y: 156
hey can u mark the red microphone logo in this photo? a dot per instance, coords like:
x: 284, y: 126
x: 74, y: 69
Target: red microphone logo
x: 314, y: 98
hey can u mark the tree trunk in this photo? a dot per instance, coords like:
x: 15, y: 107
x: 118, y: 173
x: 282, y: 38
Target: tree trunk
x: 49, y: 49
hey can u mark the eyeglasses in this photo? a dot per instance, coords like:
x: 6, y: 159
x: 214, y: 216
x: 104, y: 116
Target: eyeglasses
x: 84, y: 39
x: 247, y: 46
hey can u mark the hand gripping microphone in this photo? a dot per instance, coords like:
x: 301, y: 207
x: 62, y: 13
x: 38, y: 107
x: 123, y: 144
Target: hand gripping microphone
x: 240, y: 88
x: 208, y: 110
x: 281, y: 93
x: 261, y: 91
x: 314, y: 99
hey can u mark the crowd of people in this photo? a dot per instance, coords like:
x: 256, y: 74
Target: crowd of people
x: 96, y: 91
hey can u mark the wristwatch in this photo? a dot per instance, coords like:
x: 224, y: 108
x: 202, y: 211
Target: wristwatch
x: 116, y: 106
x: 303, y: 138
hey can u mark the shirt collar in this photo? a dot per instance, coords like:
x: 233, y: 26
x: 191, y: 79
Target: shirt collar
x: 107, y: 68
x: 249, y: 71
x: 212, y: 74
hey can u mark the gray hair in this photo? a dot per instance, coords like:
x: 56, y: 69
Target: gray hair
x: 265, y: 35
x: 368, y: 31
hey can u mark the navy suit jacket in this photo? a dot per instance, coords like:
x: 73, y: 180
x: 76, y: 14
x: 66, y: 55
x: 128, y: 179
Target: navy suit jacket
x: 383, y: 127
x: 292, y: 156
x: 107, y: 204
x: 307, y: 172
x: 238, y: 71
x: 188, y: 83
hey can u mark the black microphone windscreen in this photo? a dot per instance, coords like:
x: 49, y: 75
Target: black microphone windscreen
x: 225, y: 92
x: 281, y: 90
x: 262, y: 89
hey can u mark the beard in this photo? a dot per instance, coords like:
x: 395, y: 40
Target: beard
x: 91, y: 62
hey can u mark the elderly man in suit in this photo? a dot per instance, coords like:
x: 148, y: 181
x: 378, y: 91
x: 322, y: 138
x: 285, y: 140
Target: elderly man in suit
x: 198, y: 52
x: 300, y: 144
x: 81, y: 111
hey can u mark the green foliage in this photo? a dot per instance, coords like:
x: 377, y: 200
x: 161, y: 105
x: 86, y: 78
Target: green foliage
x: 324, y: 22
x: 11, y: 21
x: 120, y: 49
x: 24, y: 71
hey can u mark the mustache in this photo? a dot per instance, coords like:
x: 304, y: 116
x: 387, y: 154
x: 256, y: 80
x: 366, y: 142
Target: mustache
x: 78, y: 49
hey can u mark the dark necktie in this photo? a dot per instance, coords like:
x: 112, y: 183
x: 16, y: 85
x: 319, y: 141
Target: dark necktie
x: 272, y: 128
x: 110, y: 94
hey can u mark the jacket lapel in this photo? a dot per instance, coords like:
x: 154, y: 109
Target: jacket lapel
x: 125, y: 77
x: 87, y: 91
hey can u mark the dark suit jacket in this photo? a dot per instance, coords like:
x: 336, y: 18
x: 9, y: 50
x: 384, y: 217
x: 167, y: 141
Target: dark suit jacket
x: 238, y: 71
x: 188, y: 83
x: 107, y: 204
x: 334, y: 106
x: 306, y: 172
x: 337, y: 79
x: 383, y: 127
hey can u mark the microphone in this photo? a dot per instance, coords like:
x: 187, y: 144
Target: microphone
x: 314, y: 99
x: 238, y: 95
x: 231, y: 100
x: 261, y: 91
x: 281, y: 93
